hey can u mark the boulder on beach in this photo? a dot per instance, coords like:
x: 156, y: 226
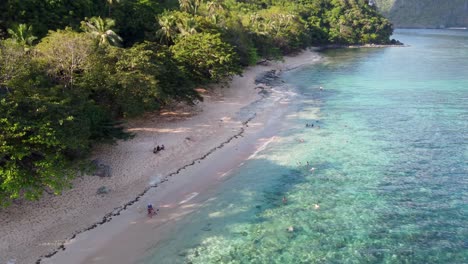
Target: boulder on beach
x: 102, y: 190
x: 101, y: 170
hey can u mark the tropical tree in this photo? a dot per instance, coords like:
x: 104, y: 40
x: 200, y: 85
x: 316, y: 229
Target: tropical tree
x: 215, y: 7
x: 42, y: 128
x: 13, y: 61
x: 187, y: 26
x: 101, y: 29
x: 168, y: 29
x: 185, y: 5
x: 22, y: 34
x: 64, y: 54
x: 205, y: 57
x: 190, y: 6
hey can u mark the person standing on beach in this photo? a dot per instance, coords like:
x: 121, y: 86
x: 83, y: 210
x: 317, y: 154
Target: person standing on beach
x: 150, y: 210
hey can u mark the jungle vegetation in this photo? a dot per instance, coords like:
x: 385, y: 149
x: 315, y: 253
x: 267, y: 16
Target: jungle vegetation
x: 72, y: 70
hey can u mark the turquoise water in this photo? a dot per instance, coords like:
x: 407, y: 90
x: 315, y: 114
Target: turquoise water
x: 389, y: 147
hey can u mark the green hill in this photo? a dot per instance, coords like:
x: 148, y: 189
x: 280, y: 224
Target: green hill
x: 425, y: 13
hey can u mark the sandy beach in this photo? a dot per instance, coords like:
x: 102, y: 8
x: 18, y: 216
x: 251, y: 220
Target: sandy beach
x: 203, y: 144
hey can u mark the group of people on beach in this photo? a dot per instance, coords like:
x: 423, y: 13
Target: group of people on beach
x: 158, y: 148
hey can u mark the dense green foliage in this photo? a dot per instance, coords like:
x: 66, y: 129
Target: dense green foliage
x: 71, y: 69
x: 425, y: 13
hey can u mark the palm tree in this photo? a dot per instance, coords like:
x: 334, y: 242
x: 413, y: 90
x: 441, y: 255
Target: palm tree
x: 259, y: 24
x: 187, y: 26
x: 185, y: 5
x: 101, y: 29
x: 214, y: 7
x: 168, y: 30
x: 195, y: 5
x: 190, y: 6
x: 22, y: 34
x: 216, y: 19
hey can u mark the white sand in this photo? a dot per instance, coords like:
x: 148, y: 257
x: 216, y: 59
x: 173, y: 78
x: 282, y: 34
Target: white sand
x: 30, y: 230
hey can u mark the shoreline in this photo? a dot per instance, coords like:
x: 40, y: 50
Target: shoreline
x: 43, y: 228
x: 108, y: 217
x: 364, y: 46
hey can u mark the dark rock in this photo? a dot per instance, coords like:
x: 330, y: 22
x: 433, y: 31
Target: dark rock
x: 101, y: 170
x: 102, y: 190
x: 270, y: 78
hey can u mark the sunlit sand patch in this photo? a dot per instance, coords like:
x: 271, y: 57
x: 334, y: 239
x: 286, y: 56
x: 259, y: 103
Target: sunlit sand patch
x: 52, y: 243
x: 97, y: 258
x: 161, y: 130
x: 172, y: 113
x: 201, y: 90
x: 257, y: 124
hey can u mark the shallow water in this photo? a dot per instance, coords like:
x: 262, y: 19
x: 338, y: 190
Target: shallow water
x: 389, y: 148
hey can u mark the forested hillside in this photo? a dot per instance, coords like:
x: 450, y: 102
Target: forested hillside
x: 71, y: 69
x: 425, y: 13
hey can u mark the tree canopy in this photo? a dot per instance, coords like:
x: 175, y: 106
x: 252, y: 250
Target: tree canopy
x: 70, y: 70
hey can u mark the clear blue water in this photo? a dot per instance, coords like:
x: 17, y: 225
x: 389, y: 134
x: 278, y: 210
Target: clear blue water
x: 390, y: 159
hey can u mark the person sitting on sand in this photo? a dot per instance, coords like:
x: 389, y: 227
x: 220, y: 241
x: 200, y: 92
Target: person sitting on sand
x: 156, y: 149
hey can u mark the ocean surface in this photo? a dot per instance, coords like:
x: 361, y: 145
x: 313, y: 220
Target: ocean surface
x: 381, y: 177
